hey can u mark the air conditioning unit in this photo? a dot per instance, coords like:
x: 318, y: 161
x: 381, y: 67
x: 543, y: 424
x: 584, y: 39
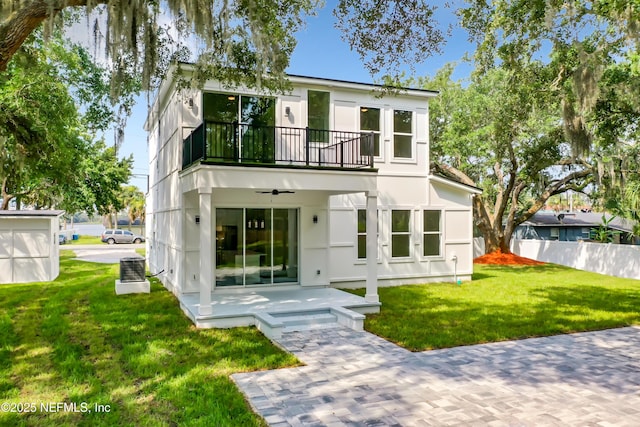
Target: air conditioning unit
x: 132, y: 269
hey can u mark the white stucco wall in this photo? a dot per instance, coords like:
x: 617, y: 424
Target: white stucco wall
x: 416, y: 194
x: 28, y: 249
x: 330, y: 245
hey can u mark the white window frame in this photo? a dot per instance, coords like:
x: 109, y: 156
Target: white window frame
x: 379, y: 214
x: 411, y: 159
x: 401, y: 233
x: 439, y: 233
x: 381, y: 140
x: 330, y: 112
x: 554, y: 233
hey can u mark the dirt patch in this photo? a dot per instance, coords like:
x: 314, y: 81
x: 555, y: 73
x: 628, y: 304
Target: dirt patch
x: 498, y: 258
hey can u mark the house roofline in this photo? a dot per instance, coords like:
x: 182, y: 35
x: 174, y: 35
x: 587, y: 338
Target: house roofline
x: 169, y: 82
x: 349, y: 83
x: 456, y: 184
x: 359, y: 85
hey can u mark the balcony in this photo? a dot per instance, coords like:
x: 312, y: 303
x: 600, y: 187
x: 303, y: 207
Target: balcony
x: 248, y: 145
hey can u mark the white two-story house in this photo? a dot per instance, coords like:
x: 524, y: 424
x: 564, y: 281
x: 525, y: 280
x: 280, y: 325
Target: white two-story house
x: 327, y: 186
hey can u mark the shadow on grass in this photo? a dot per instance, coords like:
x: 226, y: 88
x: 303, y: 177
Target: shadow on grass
x: 74, y: 340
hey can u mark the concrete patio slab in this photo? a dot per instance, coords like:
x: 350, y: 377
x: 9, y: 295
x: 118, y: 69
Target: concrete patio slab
x: 359, y: 379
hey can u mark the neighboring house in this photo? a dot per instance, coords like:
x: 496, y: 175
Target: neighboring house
x: 573, y: 226
x: 29, y: 249
x: 325, y: 186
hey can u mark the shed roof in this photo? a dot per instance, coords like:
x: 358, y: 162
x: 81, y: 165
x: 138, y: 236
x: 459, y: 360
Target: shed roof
x: 31, y: 213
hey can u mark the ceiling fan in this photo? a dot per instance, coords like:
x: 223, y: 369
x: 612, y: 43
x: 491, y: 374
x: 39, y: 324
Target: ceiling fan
x: 275, y: 192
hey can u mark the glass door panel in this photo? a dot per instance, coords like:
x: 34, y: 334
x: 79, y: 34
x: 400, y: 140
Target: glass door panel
x: 258, y: 247
x: 220, y: 111
x: 229, y: 247
x: 258, y: 133
x: 285, y: 245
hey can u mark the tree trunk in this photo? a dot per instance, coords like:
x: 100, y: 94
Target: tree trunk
x: 20, y: 23
x: 6, y: 197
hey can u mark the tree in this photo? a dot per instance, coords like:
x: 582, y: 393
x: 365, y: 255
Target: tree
x: 240, y: 41
x: 503, y: 135
x: 133, y: 201
x: 48, y: 157
x: 561, y: 66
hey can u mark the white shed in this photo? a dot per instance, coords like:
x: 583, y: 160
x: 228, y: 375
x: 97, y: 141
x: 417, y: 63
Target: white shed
x: 29, y: 246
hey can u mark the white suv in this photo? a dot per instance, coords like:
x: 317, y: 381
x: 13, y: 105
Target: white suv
x: 121, y: 236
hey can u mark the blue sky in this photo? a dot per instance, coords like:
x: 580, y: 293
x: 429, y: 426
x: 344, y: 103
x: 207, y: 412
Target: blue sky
x: 319, y: 53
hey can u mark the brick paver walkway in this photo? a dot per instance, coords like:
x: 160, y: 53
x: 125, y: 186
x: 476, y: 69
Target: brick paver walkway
x: 358, y: 379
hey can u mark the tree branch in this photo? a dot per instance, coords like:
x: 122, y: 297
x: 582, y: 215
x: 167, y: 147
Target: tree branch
x: 554, y: 188
x: 15, y: 29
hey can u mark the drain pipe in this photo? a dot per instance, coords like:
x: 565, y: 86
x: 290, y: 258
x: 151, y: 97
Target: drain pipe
x: 454, y: 258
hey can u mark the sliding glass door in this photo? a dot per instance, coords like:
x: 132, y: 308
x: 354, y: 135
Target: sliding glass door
x: 256, y: 246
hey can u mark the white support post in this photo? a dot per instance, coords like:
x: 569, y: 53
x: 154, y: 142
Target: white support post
x: 206, y: 237
x: 372, y: 247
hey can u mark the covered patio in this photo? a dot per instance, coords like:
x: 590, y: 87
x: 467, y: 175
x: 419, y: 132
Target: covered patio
x: 274, y: 311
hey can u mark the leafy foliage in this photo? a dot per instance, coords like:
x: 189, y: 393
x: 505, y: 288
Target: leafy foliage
x: 563, y: 114
x: 502, y: 134
x: 388, y: 33
x: 239, y: 42
x: 48, y: 157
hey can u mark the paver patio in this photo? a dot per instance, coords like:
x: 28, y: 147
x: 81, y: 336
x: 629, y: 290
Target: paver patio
x: 358, y: 379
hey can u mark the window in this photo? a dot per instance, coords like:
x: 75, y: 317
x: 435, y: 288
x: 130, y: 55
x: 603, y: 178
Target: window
x: 555, y: 233
x: 370, y: 123
x: 362, y: 233
x: 318, y: 115
x: 402, y: 134
x: 400, y: 233
x: 431, y: 233
x: 585, y: 233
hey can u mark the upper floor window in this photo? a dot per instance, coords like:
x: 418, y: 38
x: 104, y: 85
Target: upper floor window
x: 229, y: 108
x: 402, y: 134
x: 370, y: 122
x: 318, y: 115
x: 400, y: 233
x: 431, y: 233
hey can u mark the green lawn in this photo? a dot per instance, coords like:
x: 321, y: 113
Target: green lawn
x: 504, y: 303
x: 73, y: 340
x: 86, y: 240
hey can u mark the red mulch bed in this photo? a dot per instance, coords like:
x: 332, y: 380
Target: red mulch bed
x: 498, y: 258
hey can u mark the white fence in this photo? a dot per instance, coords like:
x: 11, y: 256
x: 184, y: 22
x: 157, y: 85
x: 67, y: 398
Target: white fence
x: 478, y: 246
x: 604, y: 258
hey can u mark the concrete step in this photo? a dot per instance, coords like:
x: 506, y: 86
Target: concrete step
x: 302, y: 321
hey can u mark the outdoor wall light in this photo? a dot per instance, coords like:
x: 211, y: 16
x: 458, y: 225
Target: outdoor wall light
x: 364, y: 109
x: 190, y: 102
x: 287, y: 112
x: 231, y: 97
x: 315, y: 219
x: 197, y: 219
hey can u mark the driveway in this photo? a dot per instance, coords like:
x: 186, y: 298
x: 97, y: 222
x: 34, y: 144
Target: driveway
x: 358, y: 379
x: 108, y: 254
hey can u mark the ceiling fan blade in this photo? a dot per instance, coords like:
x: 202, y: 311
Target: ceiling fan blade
x: 275, y: 192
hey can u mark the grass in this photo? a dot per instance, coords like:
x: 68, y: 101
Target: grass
x: 86, y: 240
x: 504, y: 303
x: 73, y: 340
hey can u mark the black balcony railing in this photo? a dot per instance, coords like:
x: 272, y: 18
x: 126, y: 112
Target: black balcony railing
x: 240, y: 143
